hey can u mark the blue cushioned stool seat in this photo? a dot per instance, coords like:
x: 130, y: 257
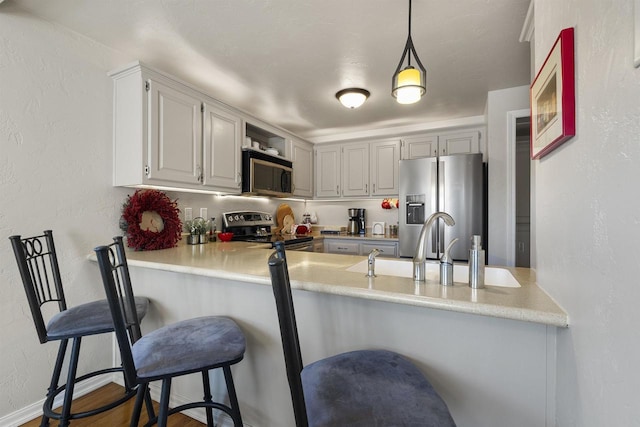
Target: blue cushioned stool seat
x: 87, y: 319
x: 370, y: 388
x: 188, y: 346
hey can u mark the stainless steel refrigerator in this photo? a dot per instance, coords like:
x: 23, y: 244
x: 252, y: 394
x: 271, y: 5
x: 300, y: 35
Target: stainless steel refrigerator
x: 451, y: 184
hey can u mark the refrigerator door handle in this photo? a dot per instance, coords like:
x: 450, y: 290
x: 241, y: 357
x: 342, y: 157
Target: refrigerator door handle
x: 441, y: 205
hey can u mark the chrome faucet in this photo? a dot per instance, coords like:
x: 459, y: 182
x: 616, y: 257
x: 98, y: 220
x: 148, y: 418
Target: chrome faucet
x: 371, y: 263
x: 420, y: 258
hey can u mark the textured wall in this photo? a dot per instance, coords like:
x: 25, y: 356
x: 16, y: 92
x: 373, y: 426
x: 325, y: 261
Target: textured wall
x: 55, y: 172
x: 587, y: 208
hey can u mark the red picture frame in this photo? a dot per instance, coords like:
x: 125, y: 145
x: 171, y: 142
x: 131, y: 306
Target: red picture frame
x: 552, y: 97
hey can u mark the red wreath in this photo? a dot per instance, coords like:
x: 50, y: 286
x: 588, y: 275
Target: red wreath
x: 152, y: 201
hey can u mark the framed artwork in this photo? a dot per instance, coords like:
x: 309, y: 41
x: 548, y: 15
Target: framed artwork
x: 552, y: 97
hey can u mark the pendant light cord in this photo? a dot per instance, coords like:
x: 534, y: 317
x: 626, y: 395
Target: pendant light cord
x: 409, y: 59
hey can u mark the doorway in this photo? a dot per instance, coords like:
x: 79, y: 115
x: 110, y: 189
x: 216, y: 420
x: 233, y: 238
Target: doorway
x: 522, y: 218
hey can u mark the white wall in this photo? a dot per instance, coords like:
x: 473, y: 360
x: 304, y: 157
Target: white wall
x: 499, y: 102
x: 587, y: 208
x: 55, y: 172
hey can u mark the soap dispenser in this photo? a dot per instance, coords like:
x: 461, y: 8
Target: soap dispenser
x: 476, y: 263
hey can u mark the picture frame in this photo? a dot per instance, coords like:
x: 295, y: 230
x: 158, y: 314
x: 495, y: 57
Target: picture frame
x: 552, y: 97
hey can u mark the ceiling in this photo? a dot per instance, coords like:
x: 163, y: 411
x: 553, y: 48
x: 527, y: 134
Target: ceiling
x: 283, y: 60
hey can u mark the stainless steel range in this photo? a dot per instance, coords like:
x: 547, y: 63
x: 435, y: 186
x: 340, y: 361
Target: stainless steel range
x: 251, y: 226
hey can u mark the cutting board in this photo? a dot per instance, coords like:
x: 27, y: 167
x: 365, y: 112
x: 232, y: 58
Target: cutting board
x: 284, y: 219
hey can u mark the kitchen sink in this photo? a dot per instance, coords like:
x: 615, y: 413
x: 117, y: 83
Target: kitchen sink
x: 493, y: 276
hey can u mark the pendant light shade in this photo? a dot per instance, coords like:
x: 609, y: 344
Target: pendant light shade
x: 409, y: 83
x: 352, y: 97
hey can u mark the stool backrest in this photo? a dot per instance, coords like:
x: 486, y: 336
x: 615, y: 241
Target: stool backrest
x: 288, y: 331
x: 38, y: 266
x: 117, y: 285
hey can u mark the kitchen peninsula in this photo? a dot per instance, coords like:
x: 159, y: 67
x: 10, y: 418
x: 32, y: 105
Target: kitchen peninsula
x: 482, y: 349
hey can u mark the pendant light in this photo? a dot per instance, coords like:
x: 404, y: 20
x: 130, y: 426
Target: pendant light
x: 409, y: 84
x: 352, y: 97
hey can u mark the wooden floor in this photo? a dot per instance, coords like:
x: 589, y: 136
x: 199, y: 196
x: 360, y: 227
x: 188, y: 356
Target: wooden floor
x: 116, y: 417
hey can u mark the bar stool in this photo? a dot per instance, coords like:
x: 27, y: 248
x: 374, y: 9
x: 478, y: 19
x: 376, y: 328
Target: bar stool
x: 38, y: 266
x: 190, y: 346
x: 357, y: 388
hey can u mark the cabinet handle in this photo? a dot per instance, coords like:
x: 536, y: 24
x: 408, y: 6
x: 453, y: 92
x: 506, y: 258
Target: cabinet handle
x: 366, y: 188
x: 374, y: 189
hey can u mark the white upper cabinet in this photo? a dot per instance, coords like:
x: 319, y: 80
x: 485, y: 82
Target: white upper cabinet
x: 301, y: 155
x: 459, y: 143
x: 169, y: 134
x: 355, y: 170
x: 327, y: 171
x: 175, y: 134
x: 385, y: 156
x: 222, y: 150
x: 441, y: 144
x: 420, y: 146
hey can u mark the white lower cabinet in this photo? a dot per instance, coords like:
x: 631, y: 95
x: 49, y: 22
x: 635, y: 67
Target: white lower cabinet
x: 351, y: 247
x: 386, y: 249
x: 342, y: 247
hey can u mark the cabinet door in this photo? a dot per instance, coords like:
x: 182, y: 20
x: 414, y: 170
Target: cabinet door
x: 341, y: 247
x: 420, y: 146
x: 302, y: 158
x: 175, y: 137
x: 386, y: 249
x: 355, y: 170
x: 459, y: 143
x: 328, y: 171
x: 222, y: 151
x: 385, y: 156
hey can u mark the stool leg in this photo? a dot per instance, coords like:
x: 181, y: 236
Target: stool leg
x: 55, y: 379
x: 206, y: 385
x: 137, y: 407
x: 233, y: 399
x: 71, y: 380
x: 148, y: 402
x: 163, y: 414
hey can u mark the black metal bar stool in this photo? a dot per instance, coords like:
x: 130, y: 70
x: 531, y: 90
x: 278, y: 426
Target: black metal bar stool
x: 358, y: 388
x: 190, y: 346
x: 38, y: 265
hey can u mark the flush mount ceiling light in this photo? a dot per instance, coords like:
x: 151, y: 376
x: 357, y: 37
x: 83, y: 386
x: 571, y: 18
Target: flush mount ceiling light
x: 352, y: 97
x: 409, y: 84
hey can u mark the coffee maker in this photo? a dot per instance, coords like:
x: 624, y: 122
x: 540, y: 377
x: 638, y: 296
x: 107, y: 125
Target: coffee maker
x: 356, y: 221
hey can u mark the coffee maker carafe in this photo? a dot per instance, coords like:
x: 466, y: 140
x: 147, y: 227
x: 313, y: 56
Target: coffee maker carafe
x: 356, y: 221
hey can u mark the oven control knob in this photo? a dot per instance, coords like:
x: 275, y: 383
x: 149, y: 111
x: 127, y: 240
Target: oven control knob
x: 237, y: 218
x: 267, y: 217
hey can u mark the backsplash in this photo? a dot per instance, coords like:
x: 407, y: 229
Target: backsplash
x: 329, y: 213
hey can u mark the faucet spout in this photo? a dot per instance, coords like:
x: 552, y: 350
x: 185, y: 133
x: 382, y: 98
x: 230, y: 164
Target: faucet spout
x: 420, y: 257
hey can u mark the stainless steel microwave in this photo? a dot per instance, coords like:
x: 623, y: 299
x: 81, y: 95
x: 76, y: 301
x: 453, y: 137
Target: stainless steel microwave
x: 265, y: 175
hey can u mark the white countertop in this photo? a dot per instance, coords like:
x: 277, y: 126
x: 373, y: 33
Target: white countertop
x: 326, y: 273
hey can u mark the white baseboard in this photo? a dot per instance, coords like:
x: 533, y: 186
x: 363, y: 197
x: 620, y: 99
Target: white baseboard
x: 34, y: 410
